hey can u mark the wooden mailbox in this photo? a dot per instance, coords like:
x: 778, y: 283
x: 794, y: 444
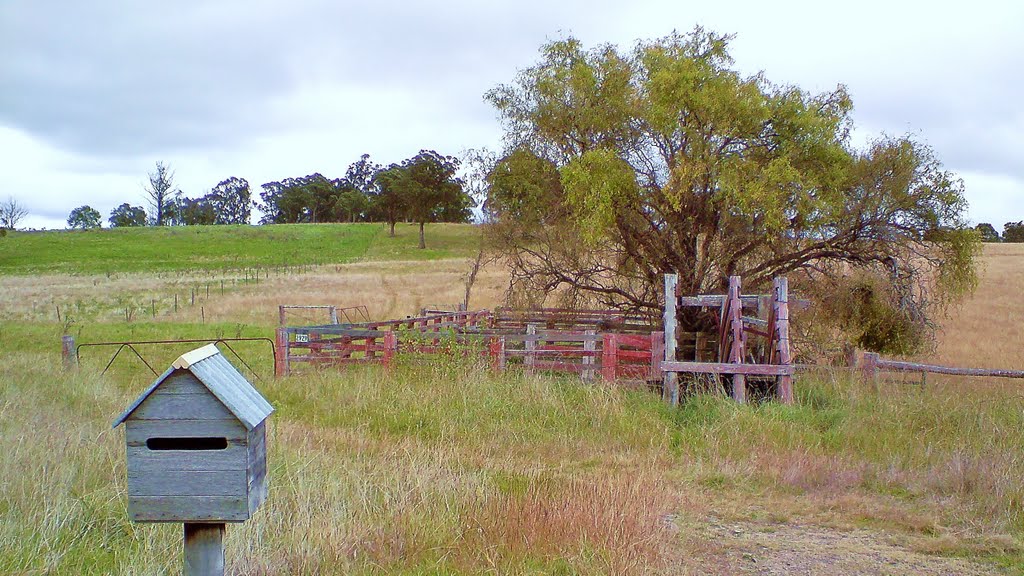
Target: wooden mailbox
x: 196, y: 444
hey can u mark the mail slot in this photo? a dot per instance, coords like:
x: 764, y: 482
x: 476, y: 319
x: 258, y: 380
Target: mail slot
x: 187, y: 443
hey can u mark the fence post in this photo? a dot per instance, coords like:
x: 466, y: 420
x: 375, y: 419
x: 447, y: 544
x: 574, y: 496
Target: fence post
x: 609, y: 357
x: 280, y: 314
x: 368, y: 345
x: 281, y: 367
x: 781, y: 293
x: 589, y: 348
x: 670, y: 380
x: 657, y: 354
x: 390, y: 348
x: 494, y: 350
x: 869, y: 369
x: 334, y: 314
x: 531, y: 347
x: 67, y: 351
x: 736, y: 350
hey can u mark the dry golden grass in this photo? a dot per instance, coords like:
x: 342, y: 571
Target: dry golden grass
x: 387, y: 289
x: 987, y: 330
x: 390, y: 289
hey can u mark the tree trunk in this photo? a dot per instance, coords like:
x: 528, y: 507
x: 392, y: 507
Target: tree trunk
x: 392, y: 233
x: 423, y: 244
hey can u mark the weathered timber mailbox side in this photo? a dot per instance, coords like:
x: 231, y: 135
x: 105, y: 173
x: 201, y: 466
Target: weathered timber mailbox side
x: 196, y: 451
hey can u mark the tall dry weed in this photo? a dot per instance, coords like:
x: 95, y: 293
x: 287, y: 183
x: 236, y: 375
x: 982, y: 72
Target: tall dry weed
x: 615, y: 523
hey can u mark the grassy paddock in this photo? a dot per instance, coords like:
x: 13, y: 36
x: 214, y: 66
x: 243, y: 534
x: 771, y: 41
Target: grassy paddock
x: 447, y: 468
x: 216, y: 248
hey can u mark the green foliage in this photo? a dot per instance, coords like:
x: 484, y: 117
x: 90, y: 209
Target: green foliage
x: 671, y: 160
x: 309, y: 199
x: 231, y: 200
x: 523, y: 187
x: 423, y: 188
x: 352, y: 205
x: 433, y: 191
x: 389, y: 203
x: 315, y: 198
x: 194, y: 212
x: 597, y: 184
x: 957, y: 274
x: 873, y: 318
x: 1013, y: 232
x: 126, y: 216
x: 988, y: 232
x: 84, y: 218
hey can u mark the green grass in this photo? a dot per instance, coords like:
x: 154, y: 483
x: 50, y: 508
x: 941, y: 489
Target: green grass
x: 442, y: 240
x: 445, y: 467
x: 163, y: 249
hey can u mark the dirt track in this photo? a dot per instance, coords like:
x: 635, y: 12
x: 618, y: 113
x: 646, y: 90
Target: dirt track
x: 774, y: 549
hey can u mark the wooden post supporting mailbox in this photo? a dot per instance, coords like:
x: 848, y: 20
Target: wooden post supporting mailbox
x: 196, y: 450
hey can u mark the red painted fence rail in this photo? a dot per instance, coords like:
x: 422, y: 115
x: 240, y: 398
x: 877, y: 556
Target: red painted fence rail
x: 613, y: 356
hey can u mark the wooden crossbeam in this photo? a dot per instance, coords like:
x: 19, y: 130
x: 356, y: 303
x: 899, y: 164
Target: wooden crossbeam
x: 726, y: 368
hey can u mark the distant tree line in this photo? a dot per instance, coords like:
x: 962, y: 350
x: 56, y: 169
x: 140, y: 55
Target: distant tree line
x: 421, y: 189
x: 1012, y: 232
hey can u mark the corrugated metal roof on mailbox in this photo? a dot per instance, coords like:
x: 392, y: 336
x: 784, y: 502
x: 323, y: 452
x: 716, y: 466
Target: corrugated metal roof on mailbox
x: 222, y: 379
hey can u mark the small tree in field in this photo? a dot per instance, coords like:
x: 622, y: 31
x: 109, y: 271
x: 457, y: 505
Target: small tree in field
x: 84, y: 218
x: 432, y: 190
x: 389, y: 201
x: 11, y: 213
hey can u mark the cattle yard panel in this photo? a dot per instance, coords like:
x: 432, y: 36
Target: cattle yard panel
x: 767, y: 355
x: 333, y: 345
x: 613, y: 356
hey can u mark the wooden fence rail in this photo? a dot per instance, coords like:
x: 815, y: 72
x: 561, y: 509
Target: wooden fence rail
x: 588, y: 353
x: 613, y: 356
x: 870, y: 364
x: 572, y: 320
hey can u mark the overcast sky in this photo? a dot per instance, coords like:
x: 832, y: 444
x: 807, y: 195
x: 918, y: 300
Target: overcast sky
x: 93, y: 93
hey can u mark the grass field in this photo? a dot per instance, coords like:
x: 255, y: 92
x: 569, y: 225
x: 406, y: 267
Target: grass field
x: 213, y: 248
x: 448, y: 469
